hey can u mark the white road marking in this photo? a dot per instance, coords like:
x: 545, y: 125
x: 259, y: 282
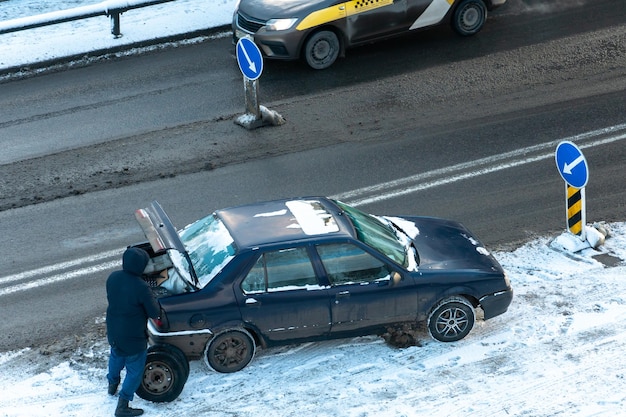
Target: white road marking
x: 385, y: 191
x: 60, y: 277
x: 63, y: 265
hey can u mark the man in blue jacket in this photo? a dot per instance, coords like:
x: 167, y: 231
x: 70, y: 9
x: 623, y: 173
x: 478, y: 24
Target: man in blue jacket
x: 131, y: 303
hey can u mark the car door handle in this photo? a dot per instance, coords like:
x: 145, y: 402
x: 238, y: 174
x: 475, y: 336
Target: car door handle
x: 251, y: 301
x: 340, y: 295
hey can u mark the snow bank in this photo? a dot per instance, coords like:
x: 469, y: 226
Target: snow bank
x: 20, y: 49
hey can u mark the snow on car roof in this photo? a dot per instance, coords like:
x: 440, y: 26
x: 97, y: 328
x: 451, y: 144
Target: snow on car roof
x: 280, y: 220
x: 312, y: 217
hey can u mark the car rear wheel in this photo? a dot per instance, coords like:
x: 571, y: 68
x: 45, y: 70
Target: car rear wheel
x: 321, y: 49
x: 451, y: 319
x: 164, y: 377
x: 230, y: 351
x: 469, y: 17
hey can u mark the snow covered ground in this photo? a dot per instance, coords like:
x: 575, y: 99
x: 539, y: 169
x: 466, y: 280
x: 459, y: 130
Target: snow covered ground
x: 558, y: 351
x: 19, y: 49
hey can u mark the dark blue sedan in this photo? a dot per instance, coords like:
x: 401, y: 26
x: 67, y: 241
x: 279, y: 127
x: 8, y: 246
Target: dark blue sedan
x: 296, y: 270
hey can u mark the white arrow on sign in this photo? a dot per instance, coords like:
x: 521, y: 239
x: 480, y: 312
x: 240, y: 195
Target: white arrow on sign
x: 567, y: 168
x: 251, y: 64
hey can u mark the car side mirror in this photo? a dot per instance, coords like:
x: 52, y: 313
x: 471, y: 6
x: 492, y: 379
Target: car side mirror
x: 395, y: 278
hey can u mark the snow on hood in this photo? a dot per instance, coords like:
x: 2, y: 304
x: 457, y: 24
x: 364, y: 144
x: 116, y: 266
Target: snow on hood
x: 446, y: 244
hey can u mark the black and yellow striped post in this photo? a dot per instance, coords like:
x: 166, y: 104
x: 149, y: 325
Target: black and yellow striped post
x: 576, y: 215
x: 572, y: 166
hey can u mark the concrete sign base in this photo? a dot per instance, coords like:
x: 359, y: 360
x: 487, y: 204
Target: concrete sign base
x: 266, y: 117
x: 256, y: 115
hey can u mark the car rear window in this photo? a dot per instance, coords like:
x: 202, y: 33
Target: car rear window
x: 210, y: 247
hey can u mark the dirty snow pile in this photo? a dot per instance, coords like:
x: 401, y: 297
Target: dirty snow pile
x: 557, y: 351
x: 82, y: 36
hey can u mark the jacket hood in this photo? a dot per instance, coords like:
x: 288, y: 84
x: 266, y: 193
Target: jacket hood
x: 134, y: 260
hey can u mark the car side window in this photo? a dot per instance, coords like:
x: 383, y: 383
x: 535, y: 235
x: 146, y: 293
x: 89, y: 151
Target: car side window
x: 346, y: 263
x: 281, y: 270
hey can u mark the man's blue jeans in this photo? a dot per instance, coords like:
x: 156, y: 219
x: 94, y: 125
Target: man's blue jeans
x: 134, y: 365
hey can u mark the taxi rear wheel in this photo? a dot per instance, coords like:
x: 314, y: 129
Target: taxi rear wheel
x: 321, y: 49
x: 469, y: 17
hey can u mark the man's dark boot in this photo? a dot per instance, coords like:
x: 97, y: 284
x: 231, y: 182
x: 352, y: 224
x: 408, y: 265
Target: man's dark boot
x: 123, y: 410
x: 113, y: 388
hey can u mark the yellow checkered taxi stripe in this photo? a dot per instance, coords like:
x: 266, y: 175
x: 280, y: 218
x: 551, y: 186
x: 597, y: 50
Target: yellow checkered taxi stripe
x: 340, y: 11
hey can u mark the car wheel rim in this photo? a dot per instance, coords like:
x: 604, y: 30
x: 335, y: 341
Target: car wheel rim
x: 157, y: 378
x: 451, y: 322
x: 470, y: 18
x: 321, y: 50
x: 230, y: 352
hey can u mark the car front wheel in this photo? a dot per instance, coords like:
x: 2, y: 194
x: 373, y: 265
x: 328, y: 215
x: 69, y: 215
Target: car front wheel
x: 321, y: 49
x: 230, y: 351
x: 469, y: 17
x: 451, y: 319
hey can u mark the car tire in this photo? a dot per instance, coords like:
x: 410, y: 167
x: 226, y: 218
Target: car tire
x: 469, y: 17
x: 451, y: 319
x: 321, y: 49
x: 164, y: 377
x: 230, y: 351
x: 174, y: 351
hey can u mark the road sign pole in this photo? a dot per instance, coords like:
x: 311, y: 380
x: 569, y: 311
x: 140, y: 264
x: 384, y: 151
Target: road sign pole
x: 251, y: 88
x: 575, y: 211
x: 250, y: 63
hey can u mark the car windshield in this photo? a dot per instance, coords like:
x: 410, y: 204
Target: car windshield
x: 210, y: 247
x: 376, y: 234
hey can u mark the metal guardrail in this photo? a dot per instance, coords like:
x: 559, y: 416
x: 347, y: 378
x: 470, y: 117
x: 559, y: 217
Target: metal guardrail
x: 110, y: 8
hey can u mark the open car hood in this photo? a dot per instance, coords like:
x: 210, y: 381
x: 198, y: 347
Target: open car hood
x: 158, y: 228
x: 161, y: 233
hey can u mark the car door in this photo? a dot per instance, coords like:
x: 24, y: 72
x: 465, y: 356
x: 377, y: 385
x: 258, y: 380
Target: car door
x: 368, y: 20
x: 365, y: 291
x: 423, y: 13
x: 282, y: 298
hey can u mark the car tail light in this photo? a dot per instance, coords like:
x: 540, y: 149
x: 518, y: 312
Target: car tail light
x: 161, y: 322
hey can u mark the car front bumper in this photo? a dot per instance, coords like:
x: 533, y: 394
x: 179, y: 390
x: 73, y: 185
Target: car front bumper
x: 497, y: 303
x: 273, y: 44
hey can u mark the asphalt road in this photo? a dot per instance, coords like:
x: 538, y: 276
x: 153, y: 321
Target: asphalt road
x: 430, y: 124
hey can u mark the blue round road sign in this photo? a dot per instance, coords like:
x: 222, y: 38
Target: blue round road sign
x: 571, y: 164
x: 249, y: 58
